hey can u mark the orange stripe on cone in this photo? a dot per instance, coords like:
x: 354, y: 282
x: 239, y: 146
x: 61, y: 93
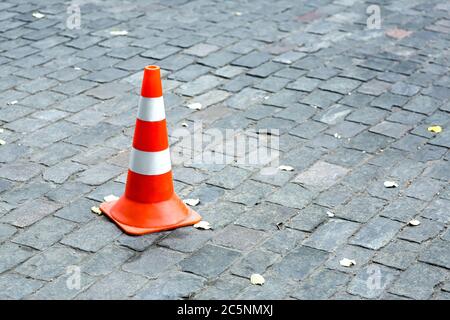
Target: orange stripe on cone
x: 149, y: 203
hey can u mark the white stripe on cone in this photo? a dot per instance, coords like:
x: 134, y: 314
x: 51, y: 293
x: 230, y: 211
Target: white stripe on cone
x: 151, y: 109
x: 150, y: 163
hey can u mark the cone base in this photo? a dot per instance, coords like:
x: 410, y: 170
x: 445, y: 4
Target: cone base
x: 141, y: 218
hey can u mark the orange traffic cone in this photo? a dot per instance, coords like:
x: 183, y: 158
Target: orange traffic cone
x: 150, y: 203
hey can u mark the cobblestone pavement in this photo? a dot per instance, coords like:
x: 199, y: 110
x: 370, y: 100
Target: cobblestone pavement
x: 353, y: 106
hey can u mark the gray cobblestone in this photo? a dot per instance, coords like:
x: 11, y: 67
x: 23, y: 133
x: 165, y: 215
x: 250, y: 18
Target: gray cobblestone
x: 418, y: 281
x: 209, y: 261
x: 376, y: 233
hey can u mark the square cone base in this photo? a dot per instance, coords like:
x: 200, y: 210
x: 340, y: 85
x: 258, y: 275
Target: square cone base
x: 174, y: 209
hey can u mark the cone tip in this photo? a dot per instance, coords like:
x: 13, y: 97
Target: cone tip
x: 151, y: 83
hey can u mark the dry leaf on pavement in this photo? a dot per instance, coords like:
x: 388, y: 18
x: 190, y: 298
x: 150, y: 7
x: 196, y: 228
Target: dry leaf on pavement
x: 204, y: 225
x: 111, y: 197
x: 390, y: 184
x: 257, y: 279
x: 191, y: 202
x: 414, y: 222
x: 347, y: 262
x: 195, y: 106
x: 96, y: 210
x: 286, y: 168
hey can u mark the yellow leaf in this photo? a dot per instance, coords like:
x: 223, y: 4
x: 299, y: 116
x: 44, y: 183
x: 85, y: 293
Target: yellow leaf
x: 435, y: 129
x: 257, y: 279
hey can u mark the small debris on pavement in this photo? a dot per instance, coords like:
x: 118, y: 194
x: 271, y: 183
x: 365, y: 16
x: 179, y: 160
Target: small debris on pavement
x: 390, y: 184
x: 2, y: 142
x: 435, y: 129
x: 96, y: 210
x: 330, y: 214
x: 184, y: 124
x: 12, y: 102
x: 38, y: 15
x: 414, y: 222
x: 285, y: 168
x: 118, y: 32
x: 111, y: 197
x: 347, y: 262
x: 191, y: 202
x: 257, y: 279
x: 195, y: 106
x: 204, y: 225
x: 337, y: 135
x: 280, y: 225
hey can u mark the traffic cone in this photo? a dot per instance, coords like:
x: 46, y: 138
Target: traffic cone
x: 149, y: 203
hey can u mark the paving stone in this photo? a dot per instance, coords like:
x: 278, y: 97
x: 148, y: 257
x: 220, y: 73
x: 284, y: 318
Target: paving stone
x: 174, y: 287
x: 117, y: 285
x: 210, y: 261
x: 201, y: 49
x: 331, y: 234
x: 427, y: 229
x: 44, y: 233
x: 398, y: 254
x: 246, y: 98
x: 186, y: 239
x: 367, y: 115
x: 369, y: 142
x: 30, y: 212
x: 442, y: 140
x: 252, y: 59
x: 20, y: 171
x: 371, y: 281
x: 360, y: 208
x: 61, y: 172
x: 423, y: 188
x: 14, y: 286
x: 304, y: 84
x: 199, y: 85
x: 334, y: 114
x: 238, y: 238
x: 390, y: 129
x: 300, y: 262
x: 99, y: 174
x: 106, y: 260
x: 51, y: 263
x: 374, y: 87
x: 439, y: 170
x: 284, y: 240
x: 213, y: 213
x: 60, y: 290
x: 376, y: 233
x: 405, y: 117
x: 256, y: 261
x: 153, y: 262
x: 404, y: 89
x: 403, y: 209
x: 249, y: 193
x: 224, y: 287
x: 12, y: 255
x: 229, y: 178
x: 321, y: 175
x: 140, y: 243
x: 308, y: 129
x: 437, y: 253
x: 388, y: 101
x: 218, y: 59
x: 418, y: 281
x: 68, y: 192
x: 93, y: 235
x: 321, y: 285
x: 340, y: 85
x: 360, y: 255
x: 292, y: 195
